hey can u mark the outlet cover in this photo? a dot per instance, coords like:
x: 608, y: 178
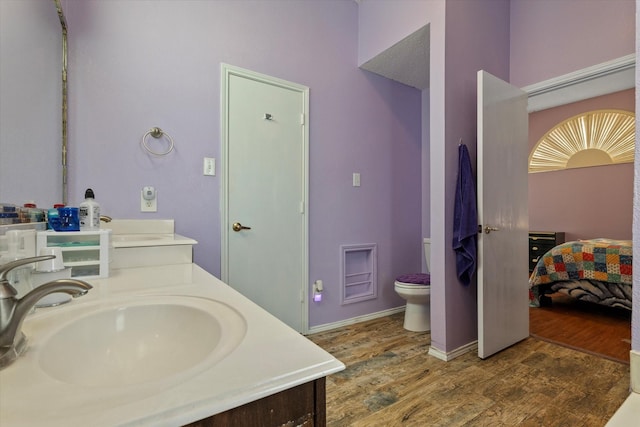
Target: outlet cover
x: 148, y: 205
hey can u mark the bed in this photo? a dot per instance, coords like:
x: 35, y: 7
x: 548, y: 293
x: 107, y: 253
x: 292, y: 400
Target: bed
x: 596, y: 270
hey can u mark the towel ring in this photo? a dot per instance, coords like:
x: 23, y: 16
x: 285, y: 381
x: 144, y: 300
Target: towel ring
x: 156, y: 132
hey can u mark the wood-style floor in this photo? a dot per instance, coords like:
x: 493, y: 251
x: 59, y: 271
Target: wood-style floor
x: 390, y: 380
x: 589, y: 327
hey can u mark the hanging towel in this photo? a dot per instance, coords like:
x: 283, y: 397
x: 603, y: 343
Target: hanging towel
x: 465, y: 219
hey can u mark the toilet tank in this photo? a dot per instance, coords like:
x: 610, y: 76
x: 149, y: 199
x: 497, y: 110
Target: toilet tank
x: 427, y: 252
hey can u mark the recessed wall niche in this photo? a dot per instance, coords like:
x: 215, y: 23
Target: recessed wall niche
x: 358, y: 264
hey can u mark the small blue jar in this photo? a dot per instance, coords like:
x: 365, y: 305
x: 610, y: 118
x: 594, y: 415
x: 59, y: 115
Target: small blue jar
x: 69, y: 219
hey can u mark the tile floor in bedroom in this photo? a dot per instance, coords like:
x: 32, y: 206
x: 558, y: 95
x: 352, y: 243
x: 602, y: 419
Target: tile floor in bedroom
x: 391, y: 380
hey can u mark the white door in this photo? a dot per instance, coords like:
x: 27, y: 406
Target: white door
x: 503, y: 309
x: 264, y: 226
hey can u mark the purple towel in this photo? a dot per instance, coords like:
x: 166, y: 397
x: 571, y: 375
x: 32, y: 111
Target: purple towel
x: 465, y: 219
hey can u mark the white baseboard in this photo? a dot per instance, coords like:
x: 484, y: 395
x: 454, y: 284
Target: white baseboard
x: 353, y: 320
x: 450, y: 355
x: 634, y: 357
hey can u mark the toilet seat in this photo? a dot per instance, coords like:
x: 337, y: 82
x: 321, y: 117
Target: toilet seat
x: 416, y: 280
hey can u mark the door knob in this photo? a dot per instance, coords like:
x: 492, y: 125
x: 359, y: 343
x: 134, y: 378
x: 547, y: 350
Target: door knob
x: 237, y: 227
x: 489, y: 229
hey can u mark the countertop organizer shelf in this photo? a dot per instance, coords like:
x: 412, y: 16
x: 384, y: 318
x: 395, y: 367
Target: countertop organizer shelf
x: 85, y: 252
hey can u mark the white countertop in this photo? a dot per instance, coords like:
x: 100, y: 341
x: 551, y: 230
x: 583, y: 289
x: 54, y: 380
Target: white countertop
x: 272, y: 357
x: 628, y: 414
x: 127, y: 233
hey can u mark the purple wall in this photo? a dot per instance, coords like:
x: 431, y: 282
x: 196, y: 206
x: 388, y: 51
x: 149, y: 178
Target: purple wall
x: 470, y: 27
x: 550, y: 38
x: 138, y: 64
x: 587, y: 202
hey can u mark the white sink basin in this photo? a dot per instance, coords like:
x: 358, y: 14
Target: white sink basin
x: 145, y: 340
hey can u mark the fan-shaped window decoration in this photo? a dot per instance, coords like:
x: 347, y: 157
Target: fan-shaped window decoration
x: 596, y: 138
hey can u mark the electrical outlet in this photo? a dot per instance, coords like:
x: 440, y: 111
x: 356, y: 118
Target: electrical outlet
x: 209, y: 167
x: 147, y: 203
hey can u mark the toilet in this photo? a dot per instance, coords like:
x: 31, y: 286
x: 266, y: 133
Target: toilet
x: 416, y: 289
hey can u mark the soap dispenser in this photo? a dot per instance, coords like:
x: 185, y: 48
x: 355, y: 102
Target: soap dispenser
x: 89, y: 212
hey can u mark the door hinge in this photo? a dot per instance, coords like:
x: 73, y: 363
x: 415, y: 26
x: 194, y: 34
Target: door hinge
x: 301, y: 207
x: 302, y: 119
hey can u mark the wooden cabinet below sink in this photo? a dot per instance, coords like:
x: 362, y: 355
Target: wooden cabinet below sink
x: 303, y: 405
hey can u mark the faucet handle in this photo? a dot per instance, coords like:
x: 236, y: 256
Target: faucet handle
x: 6, y: 290
x: 6, y: 268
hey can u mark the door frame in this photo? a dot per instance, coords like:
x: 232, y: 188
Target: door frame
x: 226, y: 72
x: 597, y: 80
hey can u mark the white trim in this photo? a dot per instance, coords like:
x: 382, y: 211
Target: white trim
x: 226, y: 71
x: 354, y: 320
x: 447, y: 356
x: 607, y: 77
x: 635, y: 370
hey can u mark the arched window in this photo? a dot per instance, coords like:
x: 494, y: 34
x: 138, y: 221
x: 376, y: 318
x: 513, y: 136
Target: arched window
x: 595, y: 138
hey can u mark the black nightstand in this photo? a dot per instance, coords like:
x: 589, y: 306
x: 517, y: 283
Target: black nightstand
x: 540, y: 242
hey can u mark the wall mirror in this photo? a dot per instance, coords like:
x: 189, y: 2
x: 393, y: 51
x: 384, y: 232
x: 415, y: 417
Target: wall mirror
x: 30, y: 102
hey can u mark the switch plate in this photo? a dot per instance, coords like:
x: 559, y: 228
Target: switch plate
x: 356, y: 179
x: 148, y: 205
x: 209, y: 166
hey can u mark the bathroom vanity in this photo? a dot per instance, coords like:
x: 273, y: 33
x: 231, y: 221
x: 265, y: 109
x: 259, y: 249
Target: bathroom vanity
x: 163, y: 345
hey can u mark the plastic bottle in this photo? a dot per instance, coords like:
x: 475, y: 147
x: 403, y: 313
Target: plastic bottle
x: 32, y: 213
x: 89, y: 212
x: 53, y: 217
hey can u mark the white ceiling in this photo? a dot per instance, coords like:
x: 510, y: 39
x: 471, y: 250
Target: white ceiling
x: 406, y: 62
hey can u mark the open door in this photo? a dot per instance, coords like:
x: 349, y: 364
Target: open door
x: 503, y: 309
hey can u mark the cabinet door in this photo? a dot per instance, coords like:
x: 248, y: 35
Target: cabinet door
x: 303, y: 405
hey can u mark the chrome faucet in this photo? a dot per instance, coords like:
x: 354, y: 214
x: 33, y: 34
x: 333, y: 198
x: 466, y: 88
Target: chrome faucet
x: 13, y: 310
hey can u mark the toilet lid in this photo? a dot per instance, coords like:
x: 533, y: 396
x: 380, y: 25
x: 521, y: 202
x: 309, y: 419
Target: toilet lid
x: 415, y: 279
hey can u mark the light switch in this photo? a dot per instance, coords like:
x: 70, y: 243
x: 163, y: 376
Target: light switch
x: 356, y: 179
x: 209, y: 167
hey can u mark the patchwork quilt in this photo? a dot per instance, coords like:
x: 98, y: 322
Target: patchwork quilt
x: 598, y: 270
